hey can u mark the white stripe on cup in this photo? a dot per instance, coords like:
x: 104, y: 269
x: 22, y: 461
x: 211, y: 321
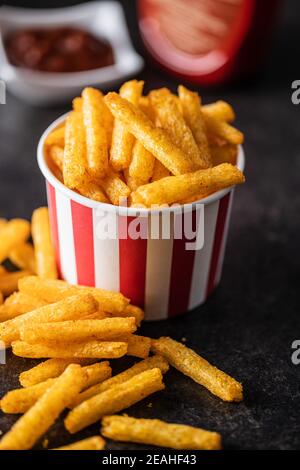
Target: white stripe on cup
x: 203, y: 257
x: 66, y: 238
x: 158, y: 276
x: 224, y: 240
x: 106, y: 257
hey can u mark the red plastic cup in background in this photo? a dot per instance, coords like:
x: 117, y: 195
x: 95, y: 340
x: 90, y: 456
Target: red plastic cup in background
x: 208, y: 42
x: 163, y: 276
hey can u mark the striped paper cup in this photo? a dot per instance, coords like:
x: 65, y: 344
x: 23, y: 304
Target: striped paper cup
x: 122, y: 249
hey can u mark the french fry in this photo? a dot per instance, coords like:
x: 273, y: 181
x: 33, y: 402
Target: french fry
x: 219, y: 110
x: 56, y: 137
x: 122, y: 140
x: 9, y: 281
x: 90, y: 443
x: 12, y: 234
x: 3, y: 222
x: 71, y: 308
x: 96, y: 137
x: 81, y: 330
x: 3, y: 270
x: 47, y: 370
x: 134, y: 311
x: 170, y: 118
x: 159, y: 171
x: 23, y: 257
x: 175, y: 188
x: 142, y: 164
x: 74, y: 163
x: 115, y: 188
x: 114, y: 399
x: 139, y: 346
x: 191, y: 364
x: 17, y: 304
x: 56, y: 154
x: 224, y: 131
x: 91, y: 349
x: 1, y: 302
x: 224, y: 154
x: 77, y: 104
x: 51, y: 290
x: 155, y: 140
x: 33, y: 424
x: 43, y: 247
x: 159, y: 433
x: 22, y: 399
x: 93, y: 191
x: 147, y: 364
x: 192, y: 112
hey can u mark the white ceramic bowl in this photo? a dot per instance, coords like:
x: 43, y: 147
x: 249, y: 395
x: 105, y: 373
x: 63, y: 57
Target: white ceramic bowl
x: 103, y: 19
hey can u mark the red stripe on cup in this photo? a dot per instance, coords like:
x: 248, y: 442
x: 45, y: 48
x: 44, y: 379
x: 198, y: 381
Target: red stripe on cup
x: 219, y: 233
x: 133, y: 256
x: 182, y: 270
x: 82, y: 219
x: 53, y: 224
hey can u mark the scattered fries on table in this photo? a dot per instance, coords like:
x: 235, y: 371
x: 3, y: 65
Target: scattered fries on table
x: 114, y: 147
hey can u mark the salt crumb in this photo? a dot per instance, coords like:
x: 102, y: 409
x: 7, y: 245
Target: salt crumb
x: 149, y: 405
x: 45, y: 443
x: 183, y: 339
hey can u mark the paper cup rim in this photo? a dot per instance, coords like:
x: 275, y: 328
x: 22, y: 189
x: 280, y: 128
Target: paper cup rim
x: 121, y: 210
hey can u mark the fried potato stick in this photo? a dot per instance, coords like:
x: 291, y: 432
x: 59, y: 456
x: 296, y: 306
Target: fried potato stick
x: 159, y: 171
x: 23, y: 257
x: 13, y: 233
x: 141, y: 166
x: 51, y: 290
x: 19, y: 303
x: 155, y: 140
x: 114, y: 399
x: 219, y: 110
x: 175, y: 188
x: 43, y: 247
x: 192, y: 112
x: 90, y: 349
x: 147, y: 364
x: 201, y: 371
x: 139, y: 346
x: 90, y: 443
x: 56, y: 154
x: 67, y: 309
x: 32, y: 425
x: 93, y: 191
x: 224, y: 154
x: 96, y: 137
x: 9, y: 281
x: 22, y: 399
x: 56, y: 137
x: 82, y: 330
x: 122, y: 140
x: 134, y: 311
x: 159, y: 433
x: 115, y: 188
x: 75, y: 172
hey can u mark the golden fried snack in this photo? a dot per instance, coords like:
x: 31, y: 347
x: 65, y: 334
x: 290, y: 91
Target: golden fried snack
x: 90, y: 443
x: 155, y: 140
x: 147, y: 364
x: 224, y: 154
x: 169, y: 117
x: 219, y: 110
x: 191, y: 364
x: 33, y: 424
x: 56, y: 137
x: 12, y: 234
x: 47, y: 370
x: 192, y: 112
x: 115, y: 188
x: 122, y: 140
x: 3, y: 222
x: 159, y: 433
x: 95, y: 132
x: 139, y: 346
x: 51, y: 290
x: 134, y: 311
x: 19, y: 303
x: 56, y: 154
x: 74, y: 163
x: 115, y: 399
x: 1, y: 302
x: 224, y: 131
x: 22, y: 399
x: 77, y: 104
x: 71, y: 308
x: 23, y: 257
x: 159, y: 171
x: 93, y: 191
x: 9, y: 281
x: 43, y: 247
x: 175, y: 188
x: 80, y: 330
x: 141, y: 166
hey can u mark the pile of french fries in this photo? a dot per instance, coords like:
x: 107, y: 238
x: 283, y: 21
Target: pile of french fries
x: 75, y: 330
x: 145, y: 151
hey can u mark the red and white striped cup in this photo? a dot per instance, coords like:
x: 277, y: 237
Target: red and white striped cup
x: 159, y: 273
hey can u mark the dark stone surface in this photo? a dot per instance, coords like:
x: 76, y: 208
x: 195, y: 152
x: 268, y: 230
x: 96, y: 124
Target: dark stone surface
x: 248, y: 325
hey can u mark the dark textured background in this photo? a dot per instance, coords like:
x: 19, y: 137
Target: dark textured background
x: 249, y: 323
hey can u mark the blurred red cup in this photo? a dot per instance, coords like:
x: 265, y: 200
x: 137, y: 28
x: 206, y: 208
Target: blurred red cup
x: 208, y: 42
